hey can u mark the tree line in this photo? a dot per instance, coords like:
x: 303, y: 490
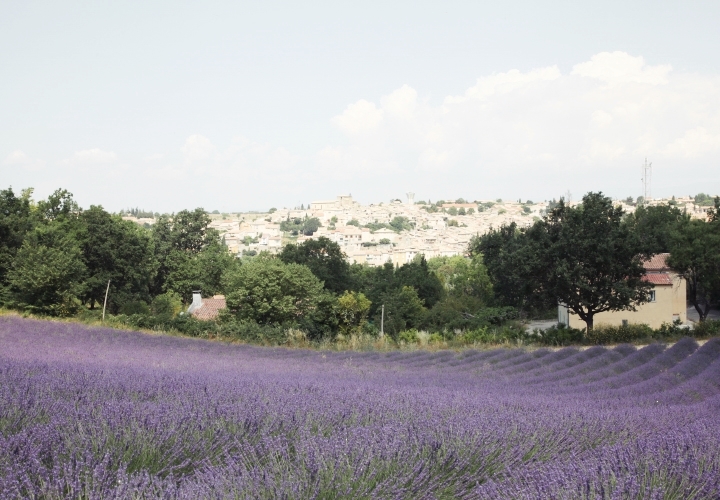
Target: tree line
x: 57, y: 259
x: 589, y: 257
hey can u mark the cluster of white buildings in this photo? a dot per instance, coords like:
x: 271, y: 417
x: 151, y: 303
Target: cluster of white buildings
x: 432, y: 233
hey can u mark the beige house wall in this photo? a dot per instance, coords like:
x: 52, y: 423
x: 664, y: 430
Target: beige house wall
x: 669, y: 305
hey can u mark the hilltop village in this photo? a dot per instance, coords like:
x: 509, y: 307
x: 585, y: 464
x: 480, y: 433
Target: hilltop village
x: 395, y: 231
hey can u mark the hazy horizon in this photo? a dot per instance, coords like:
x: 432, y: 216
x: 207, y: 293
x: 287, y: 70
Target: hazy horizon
x: 244, y: 106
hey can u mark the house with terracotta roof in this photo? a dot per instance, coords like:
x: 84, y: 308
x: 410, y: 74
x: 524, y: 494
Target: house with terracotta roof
x: 667, y: 300
x: 206, y: 309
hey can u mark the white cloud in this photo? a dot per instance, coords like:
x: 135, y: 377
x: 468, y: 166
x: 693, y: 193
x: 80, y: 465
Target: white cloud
x: 620, y: 67
x: 19, y: 159
x: 520, y: 131
x: 502, y: 83
x: 198, y: 149
x: 694, y: 143
x: 359, y: 118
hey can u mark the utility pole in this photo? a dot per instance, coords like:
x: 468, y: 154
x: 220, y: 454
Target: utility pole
x: 105, y: 303
x: 382, y: 322
x: 646, y: 178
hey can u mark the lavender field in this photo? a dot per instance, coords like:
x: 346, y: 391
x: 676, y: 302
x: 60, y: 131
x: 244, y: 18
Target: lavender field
x: 99, y: 413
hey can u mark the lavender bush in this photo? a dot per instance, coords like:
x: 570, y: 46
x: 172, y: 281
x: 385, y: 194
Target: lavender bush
x: 100, y: 413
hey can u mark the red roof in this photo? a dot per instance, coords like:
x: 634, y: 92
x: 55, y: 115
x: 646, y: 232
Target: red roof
x: 210, y: 308
x: 658, y: 278
x: 657, y: 262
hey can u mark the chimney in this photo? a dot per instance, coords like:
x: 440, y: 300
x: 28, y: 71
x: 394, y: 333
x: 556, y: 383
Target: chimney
x: 197, y: 300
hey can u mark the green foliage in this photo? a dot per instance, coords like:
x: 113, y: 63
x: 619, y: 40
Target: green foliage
x: 462, y: 276
x: 653, y: 226
x: 297, y: 225
x: 417, y: 275
x: 506, y: 334
x: 353, y: 222
x: 324, y: 258
x: 409, y: 336
x: 166, y: 305
x: 252, y: 332
x: 15, y: 223
x: 703, y: 200
x: 47, y: 273
x: 694, y: 255
x: 268, y: 291
x: 400, y: 223
x: 177, y: 238
x: 452, y: 211
x: 199, y: 271
x: 707, y: 328
x: 589, y: 259
x: 384, y: 241
x: 134, y: 307
x: 585, y: 257
x: 59, y: 206
x: 352, y: 309
x: 115, y: 250
x: 559, y: 335
x: 606, y: 334
x: 403, y: 310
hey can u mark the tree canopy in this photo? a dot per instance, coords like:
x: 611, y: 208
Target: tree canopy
x: 324, y: 258
x: 269, y: 291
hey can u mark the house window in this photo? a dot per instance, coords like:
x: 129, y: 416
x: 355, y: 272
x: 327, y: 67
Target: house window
x: 652, y: 296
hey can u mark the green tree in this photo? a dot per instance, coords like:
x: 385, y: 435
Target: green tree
x: 268, y: 291
x: 353, y: 309
x: 15, y: 223
x: 514, y: 265
x: 694, y: 255
x: 653, y: 226
x: 462, y: 276
x: 400, y: 223
x: 417, y: 274
x: 176, y: 238
x: 59, y: 205
x: 47, y: 273
x: 115, y: 250
x: 310, y: 226
x: 592, y: 263
x: 403, y: 310
x: 324, y: 258
x: 199, y: 271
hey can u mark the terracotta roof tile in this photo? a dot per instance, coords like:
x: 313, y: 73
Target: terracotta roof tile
x: 210, y: 308
x: 658, y: 278
x: 657, y: 262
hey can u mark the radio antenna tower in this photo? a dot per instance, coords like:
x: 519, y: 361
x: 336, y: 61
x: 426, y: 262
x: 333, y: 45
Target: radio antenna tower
x: 646, y: 178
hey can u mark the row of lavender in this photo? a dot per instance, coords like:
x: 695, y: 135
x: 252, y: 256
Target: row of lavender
x: 100, y: 413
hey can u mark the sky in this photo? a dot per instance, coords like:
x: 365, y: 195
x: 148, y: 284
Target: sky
x: 235, y: 106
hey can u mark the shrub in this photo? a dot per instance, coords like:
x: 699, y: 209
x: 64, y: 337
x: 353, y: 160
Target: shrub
x: 606, y: 334
x: 707, y: 328
x: 435, y: 338
x: 250, y: 331
x: 558, y: 335
x: 167, y: 304
x: 134, y: 307
x: 409, y: 336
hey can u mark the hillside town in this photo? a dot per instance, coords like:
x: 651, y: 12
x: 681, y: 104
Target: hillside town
x: 395, y: 231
